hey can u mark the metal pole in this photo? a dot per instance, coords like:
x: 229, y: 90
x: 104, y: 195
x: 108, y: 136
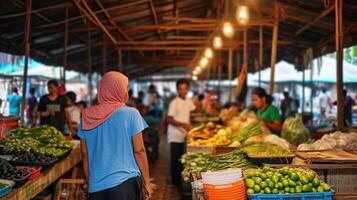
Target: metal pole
x: 303, y: 93
x: 27, y: 55
x: 339, y: 63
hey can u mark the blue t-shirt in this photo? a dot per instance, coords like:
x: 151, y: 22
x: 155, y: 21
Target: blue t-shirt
x: 110, y: 149
x: 14, y: 102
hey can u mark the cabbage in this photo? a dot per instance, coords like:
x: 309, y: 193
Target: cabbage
x: 294, y: 131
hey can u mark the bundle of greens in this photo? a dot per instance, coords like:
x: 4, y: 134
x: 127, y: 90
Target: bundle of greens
x: 294, y: 131
x: 202, y: 162
x: 264, y: 149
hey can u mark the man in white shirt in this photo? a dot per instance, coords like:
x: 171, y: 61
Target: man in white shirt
x: 324, y: 104
x: 179, y: 125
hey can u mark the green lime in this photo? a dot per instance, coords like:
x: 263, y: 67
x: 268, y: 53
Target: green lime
x: 267, y: 190
x: 275, y: 191
x: 270, y: 174
x: 267, y: 169
x: 280, y: 186
x: 285, y: 183
x: 261, y: 192
x: 277, y: 174
x: 292, y: 190
x: 315, y: 182
x: 306, y: 188
x: 326, y: 187
x: 272, y: 185
x: 294, y: 176
x: 275, y: 178
x: 298, y: 189
x: 250, y: 183
x: 298, y: 183
x: 263, y: 176
x: 304, y: 180
x: 263, y: 185
x: 284, y: 171
x: 257, y: 180
x: 310, y: 176
x: 250, y: 174
x: 287, y: 190
x: 310, y: 184
x: 256, y: 188
x: 250, y: 191
x: 314, y: 190
x: 292, y: 184
x: 281, y: 191
x: 320, y: 189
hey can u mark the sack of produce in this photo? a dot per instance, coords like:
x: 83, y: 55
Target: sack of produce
x: 294, y: 131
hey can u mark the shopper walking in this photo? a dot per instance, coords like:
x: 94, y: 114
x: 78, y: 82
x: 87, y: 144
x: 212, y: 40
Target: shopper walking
x: 288, y: 106
x: 179, y: 125
x: 14, y: 101
x: 52, y: 106
x: 268, y: 113
x: 324, y: 105
x: 31, y: 108
x: 113, y: 151
x: 74, y: 113
x: 349, y: 103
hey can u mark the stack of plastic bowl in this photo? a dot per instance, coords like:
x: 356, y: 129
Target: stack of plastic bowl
x: 224, y: 185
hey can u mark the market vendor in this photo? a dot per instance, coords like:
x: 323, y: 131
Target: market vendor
x: 267, y: 112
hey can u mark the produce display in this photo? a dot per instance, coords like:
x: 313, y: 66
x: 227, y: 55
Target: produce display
x: 294, y: 131
x: 336, y: 140
x: 3, y: 185
x: 228, y: 113
x: 264, y: 149
x: 252, y: 129
x: 202, y: 162
x: 44, y: 140
x: 10, y: 172
x: 208, y: 134
x: 31, y: 157
x: 283, y: 181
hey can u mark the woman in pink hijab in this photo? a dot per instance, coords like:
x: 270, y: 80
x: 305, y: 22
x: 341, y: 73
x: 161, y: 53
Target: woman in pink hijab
x: 114, y: 155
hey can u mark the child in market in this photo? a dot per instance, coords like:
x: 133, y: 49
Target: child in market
x: 73, y: 111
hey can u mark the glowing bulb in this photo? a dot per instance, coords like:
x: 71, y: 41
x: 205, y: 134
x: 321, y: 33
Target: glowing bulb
x: 194, y: 78
x: 208, y: 53
x: 228, y: 30
x: 217, y: 42
x: 195, y: 72
x: 242, y: 14
x: 203, y: 62
x: 198, y: 69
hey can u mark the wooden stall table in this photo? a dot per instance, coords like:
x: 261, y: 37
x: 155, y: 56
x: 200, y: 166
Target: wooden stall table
x: 31, y: 188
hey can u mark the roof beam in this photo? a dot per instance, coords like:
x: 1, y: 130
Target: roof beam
x: 316, y: 19
x: 154, y: 15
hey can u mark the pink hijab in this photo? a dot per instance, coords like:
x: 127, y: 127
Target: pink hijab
x: 112, y: 92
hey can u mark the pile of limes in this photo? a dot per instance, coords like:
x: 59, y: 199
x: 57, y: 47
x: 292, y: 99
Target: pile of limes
x: 283, y: 181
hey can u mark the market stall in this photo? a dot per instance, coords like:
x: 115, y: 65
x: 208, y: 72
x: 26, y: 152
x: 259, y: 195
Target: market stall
x: 332, y: 160
x: 33, y: 159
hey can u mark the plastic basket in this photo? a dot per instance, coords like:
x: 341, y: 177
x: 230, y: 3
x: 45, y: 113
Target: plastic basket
x: 6, y: 190
x: 300, y: 196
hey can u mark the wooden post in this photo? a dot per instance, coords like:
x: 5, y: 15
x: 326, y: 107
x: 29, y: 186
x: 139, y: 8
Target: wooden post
x: 339, y: 64
x: 230, y: 72
x: 104, y: 57
x: 219, y: 81
x: 260, y: 55
x: 90, y: 69
x: 303, y: 93
x: 27, y: 56
x: 312, y: 92
x: 273, y: 51
x: 120, y: 60
x: 65, y: 53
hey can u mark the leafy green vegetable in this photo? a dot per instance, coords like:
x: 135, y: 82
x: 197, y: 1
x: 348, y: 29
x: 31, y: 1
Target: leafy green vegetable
x: 294, y: 131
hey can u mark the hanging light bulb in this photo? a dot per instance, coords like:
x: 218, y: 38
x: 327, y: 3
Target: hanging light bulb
x: 228, y: 29
x: 217, y: 42
x: 203, y: 62
x: 195, y: 72
x: 242, y: 14
x: 198, y: 69
x: 208, y: 53
x: 194, y: 78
